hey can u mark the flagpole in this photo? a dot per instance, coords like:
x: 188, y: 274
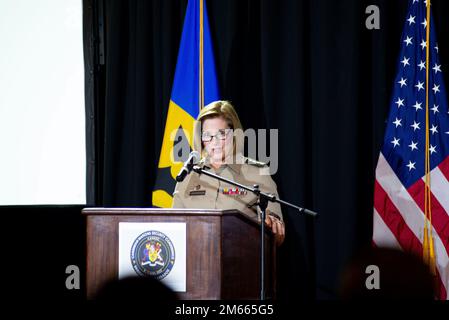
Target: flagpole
x: 201, y: 59
x: 428, y: 248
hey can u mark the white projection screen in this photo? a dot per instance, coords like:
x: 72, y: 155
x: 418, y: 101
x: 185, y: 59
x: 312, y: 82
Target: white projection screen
x: 42, y: 131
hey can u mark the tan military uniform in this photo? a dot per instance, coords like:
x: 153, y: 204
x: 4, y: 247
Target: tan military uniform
x: 201, y: 191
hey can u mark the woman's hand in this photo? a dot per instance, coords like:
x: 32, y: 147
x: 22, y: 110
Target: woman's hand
x: 277, y: 227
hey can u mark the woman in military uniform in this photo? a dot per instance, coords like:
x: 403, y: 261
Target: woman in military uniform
x: 216, y: 135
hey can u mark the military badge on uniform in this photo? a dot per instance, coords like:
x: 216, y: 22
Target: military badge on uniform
x: 233, y: 191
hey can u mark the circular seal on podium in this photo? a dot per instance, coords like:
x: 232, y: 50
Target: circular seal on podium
x: 153, y: 254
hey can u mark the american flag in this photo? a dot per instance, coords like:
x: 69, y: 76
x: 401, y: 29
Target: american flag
x: 399, y: 213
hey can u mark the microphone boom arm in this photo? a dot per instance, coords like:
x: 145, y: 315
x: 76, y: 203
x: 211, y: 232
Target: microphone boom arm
x: 268, y: 196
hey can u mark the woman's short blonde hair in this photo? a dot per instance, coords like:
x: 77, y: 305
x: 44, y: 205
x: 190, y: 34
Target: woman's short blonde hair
x: 217, y: 109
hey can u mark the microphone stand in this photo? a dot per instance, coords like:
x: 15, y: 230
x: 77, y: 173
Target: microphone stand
x: 262, y: 203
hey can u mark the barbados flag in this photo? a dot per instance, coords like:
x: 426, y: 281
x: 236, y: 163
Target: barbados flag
x: 194, y: 86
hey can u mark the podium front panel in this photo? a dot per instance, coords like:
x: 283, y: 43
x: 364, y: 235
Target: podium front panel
x: 222, y: 250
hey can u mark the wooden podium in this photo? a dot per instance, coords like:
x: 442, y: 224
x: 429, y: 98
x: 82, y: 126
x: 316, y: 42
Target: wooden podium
x: 222, y: 250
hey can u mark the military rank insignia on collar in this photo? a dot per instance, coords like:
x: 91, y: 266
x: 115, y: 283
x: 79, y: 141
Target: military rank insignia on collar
x: 233, y: 191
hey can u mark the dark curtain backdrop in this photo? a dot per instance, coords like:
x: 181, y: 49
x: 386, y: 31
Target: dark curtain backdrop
x: 308, y: 68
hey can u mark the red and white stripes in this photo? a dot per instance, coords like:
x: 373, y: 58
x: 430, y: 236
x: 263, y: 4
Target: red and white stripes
x: 398, y: 219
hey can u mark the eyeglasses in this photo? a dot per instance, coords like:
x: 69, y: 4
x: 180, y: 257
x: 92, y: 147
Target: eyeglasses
x: 221, y: 135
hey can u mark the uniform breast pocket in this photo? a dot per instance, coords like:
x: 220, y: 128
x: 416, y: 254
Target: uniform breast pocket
x: 199, y: 198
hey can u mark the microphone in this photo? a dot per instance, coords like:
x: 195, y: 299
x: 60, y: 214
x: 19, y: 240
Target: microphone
x: 193, y: 159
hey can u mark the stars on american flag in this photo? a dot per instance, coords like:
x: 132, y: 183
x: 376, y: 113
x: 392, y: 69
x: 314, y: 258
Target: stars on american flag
x: 424, y: 23
x: 422, y: 65
x: 395, y: 142
x: 423, y: 44
x: 417, y: 106
x: 400, y: 102
x: 397, y: 122
x: 435, y: 109
x: 408, y: 41
x: 432, y: 149
x: 434, y: 129
x: 436, y: 88
x: 437, y: 68
x: 420, y: 85
x: 415, y: 126
x: 411, y: 165
x: 407, y: 120
x: 405, y: 61
x: 413, y: 145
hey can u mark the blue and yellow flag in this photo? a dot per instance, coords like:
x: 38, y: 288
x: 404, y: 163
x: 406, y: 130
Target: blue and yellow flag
x: 195, y: 85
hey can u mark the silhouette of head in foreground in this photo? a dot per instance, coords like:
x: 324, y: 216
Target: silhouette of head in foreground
x: 137, y: 289
x: 400, y: 276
